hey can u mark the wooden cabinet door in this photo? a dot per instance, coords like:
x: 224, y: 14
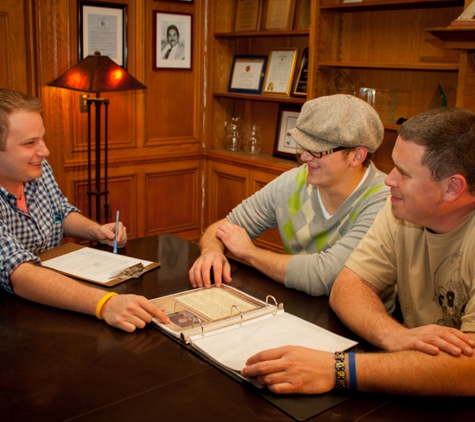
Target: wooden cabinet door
x: 227, y: 186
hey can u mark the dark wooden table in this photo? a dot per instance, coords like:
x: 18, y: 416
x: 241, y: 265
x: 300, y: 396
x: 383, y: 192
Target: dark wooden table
x: 62, y: 366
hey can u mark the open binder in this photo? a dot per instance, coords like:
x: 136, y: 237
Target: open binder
x: 226, y: 326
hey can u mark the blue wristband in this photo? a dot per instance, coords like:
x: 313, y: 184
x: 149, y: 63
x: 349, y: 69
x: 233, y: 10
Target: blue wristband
x: 352, y: 370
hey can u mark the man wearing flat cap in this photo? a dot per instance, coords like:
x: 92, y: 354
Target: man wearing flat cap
x: 322, y: 208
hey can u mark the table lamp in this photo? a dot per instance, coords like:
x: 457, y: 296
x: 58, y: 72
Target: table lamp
x: 97, y: 74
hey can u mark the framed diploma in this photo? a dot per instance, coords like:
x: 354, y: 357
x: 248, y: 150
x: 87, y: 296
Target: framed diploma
x: 247, y: 74
x: 301, y: 83
x: 285, y: 146
x: 102, y: 27
x: 247, y: 15
x: 279, y: 14
x: 280, y: 72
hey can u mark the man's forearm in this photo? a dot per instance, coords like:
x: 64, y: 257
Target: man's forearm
x: 236, y: 239
x: 360, y: 309
x: 80, y: 227
x: 415, y: 373
x: 126, y: 312
x: 209, y: 241
x: 270, y: 263
x: 53, y: 289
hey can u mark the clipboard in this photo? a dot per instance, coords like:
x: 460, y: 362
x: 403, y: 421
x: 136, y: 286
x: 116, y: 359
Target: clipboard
x: 94, y: 265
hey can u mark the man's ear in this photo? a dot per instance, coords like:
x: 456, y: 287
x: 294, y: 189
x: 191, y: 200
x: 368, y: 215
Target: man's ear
x: 456, y: 185
x: 360, y: 155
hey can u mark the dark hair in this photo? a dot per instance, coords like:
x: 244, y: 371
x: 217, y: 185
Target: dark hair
x: 11, y: 102
x: 448, y: 136
x: 175, y: 28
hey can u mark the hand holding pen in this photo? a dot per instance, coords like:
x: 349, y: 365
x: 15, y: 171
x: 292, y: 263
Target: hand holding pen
x: 113, y: 234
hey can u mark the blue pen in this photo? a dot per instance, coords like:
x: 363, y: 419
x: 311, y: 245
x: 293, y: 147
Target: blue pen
x: 116, y: 231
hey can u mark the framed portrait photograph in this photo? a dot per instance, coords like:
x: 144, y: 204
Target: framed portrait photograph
x: 247, y: 74
x: 102, y: 27
x: 300, y: 89
x: 284, y: 145
x: 172, y: 40
x: 280, y: 71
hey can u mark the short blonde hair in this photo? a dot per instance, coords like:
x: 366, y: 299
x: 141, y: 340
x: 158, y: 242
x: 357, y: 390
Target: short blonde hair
x: 11, y: 102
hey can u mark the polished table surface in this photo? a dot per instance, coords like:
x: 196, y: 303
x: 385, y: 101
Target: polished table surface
x: 61, y: 366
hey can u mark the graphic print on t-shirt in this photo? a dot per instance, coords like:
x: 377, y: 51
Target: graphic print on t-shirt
x: 450, y: 293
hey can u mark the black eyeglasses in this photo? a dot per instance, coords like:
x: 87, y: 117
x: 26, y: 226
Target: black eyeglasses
x: 299, y: 151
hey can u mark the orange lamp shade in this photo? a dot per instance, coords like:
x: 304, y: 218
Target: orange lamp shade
x: 97, y: 74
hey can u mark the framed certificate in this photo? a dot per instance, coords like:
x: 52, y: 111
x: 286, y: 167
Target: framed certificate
x: 247, y: 15
x: 247, y: 74
x: 284, y: 145
x: 102, y: 27
x: 280, y: 72
x: 300, y: 89
x: 279, y: 14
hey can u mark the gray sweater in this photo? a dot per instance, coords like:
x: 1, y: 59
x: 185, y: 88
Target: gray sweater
x: 321, y: 247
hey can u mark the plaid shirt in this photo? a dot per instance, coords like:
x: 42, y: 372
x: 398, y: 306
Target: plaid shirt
x: 22, y: 235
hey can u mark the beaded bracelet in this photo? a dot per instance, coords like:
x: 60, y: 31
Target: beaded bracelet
x: 101, y: 303
x: 340, y: 370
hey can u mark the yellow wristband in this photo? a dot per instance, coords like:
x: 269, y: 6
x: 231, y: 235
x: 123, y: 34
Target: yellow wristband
x: 102, y: 302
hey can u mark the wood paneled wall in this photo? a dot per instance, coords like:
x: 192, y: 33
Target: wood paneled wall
x: 155, y: 135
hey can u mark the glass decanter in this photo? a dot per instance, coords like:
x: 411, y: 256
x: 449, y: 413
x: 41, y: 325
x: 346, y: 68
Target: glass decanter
x: 234, y: 133
x: 253, y: 141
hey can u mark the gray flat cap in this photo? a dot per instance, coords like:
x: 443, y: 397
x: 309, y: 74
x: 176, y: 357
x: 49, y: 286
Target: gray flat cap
x: 337, y: 121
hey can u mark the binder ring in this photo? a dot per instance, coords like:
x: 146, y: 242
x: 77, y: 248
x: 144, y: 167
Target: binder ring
x: 277, y: 306
x: 234, y: 306
x: 201, y: 324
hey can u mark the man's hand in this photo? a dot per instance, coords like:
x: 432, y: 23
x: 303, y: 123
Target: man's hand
x: 236, y: 240
x: 431, y: 339
x: 129, y: 312
x: 200, y: 272
x: 106, y: 235
x: 293, y: 369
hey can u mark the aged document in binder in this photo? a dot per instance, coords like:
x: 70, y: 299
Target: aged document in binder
x: 94, y: 265
x: 228, y: 326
